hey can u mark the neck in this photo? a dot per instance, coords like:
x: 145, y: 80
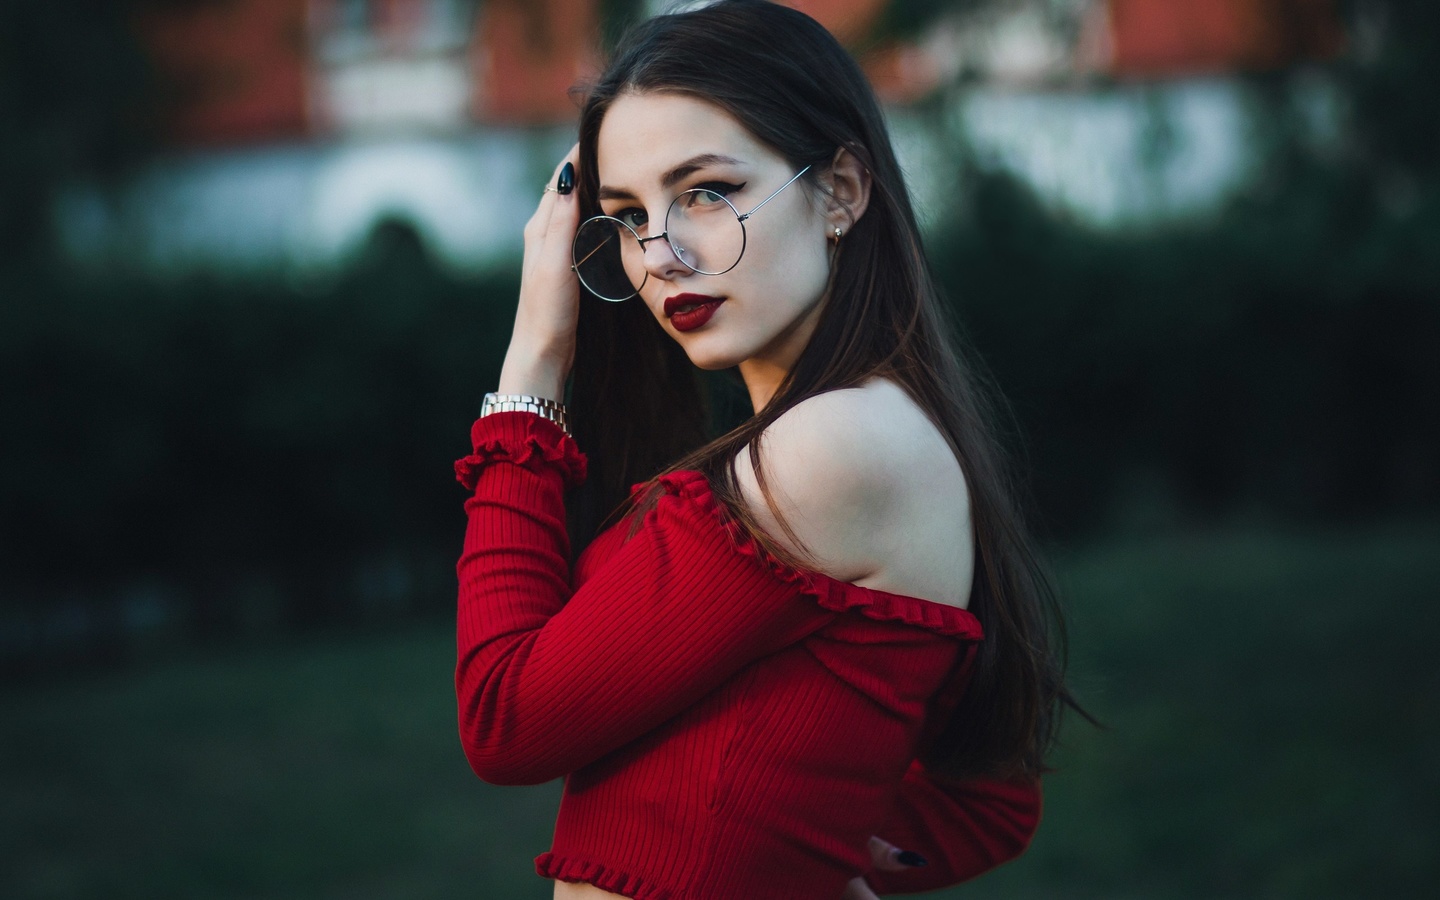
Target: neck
x: 762, y: 379
x: 764, y: 372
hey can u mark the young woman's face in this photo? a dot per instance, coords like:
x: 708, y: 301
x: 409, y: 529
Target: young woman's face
x: 758, y: 315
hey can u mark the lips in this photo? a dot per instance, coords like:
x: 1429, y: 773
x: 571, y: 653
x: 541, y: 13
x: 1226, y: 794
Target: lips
x: 687, y: 312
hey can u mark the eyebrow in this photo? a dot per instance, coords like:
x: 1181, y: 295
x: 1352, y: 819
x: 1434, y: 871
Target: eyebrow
x: 674, y: 175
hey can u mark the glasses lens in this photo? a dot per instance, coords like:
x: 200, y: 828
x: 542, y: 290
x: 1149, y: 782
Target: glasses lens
x: 705, y: 231
x: 602, y: 248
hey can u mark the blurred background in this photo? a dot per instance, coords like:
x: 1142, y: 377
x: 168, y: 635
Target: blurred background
x: 258, y: 263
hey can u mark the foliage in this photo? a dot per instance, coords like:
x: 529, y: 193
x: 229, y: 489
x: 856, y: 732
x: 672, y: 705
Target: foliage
x: 73, y: 84
x: 1279, y: 356
x: 1391, y: 76
x: 616, y: 16
x: 235, y: 444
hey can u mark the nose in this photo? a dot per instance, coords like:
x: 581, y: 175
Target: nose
x: 660, y: 259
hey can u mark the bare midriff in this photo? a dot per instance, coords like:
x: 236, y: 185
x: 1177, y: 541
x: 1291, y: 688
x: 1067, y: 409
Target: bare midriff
x: 564, y: 890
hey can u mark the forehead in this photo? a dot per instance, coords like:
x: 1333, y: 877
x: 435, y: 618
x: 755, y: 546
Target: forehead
x: 645, y: 134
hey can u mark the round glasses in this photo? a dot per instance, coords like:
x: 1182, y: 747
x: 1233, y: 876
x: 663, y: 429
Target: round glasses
x: 702, y: 227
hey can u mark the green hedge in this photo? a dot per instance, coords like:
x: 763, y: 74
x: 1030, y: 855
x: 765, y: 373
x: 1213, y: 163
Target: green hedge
x: 245, y: 450
x: 264, y: 455
x: 1281, y: 356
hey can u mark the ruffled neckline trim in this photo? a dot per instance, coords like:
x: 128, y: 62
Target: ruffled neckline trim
x: 831, y: 593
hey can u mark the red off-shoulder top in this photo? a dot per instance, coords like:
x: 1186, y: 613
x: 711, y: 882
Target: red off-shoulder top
x: 727, y: 726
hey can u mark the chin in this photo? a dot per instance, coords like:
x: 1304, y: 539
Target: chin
x: 714, y: 362
x: 711, y: 349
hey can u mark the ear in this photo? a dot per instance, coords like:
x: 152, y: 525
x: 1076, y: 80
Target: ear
x: 849, y: 191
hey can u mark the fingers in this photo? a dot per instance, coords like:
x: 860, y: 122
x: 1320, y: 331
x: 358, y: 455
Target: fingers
x: 564, y: 205
x: 887, y: 857
x: 561, y: 184
x: 551, y: 230
x: 573, y: 158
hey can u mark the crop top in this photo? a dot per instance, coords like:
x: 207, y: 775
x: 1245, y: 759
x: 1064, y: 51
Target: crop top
x: 728, y: 726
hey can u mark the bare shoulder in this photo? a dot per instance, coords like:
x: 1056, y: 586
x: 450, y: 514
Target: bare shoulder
x: 856, y: 475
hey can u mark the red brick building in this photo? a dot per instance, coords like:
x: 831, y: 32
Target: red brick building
x: 1163, y: 37
x: 255, y: 70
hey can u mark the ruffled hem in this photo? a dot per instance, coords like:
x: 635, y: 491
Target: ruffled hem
x: 564, y: 868
x: 830, y: 593
x: 524, y: 439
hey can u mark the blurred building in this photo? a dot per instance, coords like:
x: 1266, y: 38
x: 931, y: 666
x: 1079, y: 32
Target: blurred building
x: 295, y: 126
x: 1118, y: 112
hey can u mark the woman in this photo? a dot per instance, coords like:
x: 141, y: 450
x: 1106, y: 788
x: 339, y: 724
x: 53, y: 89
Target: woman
x: 815, y: 640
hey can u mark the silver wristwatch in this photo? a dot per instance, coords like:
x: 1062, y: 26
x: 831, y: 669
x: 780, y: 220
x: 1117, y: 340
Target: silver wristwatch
x: 540, y: 406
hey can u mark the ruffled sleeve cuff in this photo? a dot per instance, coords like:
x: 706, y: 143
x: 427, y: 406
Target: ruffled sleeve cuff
x: 523, y: 439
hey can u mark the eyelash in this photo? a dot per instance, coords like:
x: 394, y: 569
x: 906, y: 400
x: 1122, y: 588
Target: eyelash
x: 723, y: 188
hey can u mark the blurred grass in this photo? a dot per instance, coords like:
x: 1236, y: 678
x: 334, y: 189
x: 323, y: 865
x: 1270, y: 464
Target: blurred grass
x: 1272, y: 708
x: 1271, y: 699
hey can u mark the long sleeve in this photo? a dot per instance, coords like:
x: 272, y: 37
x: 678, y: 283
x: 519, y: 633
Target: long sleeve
x: 963, y: 829
x: 548, y: 681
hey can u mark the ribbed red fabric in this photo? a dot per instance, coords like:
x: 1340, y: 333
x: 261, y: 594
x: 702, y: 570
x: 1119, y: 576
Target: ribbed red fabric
x: 728, y: 726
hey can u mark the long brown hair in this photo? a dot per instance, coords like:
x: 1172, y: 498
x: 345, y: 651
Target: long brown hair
x: 638, y: 407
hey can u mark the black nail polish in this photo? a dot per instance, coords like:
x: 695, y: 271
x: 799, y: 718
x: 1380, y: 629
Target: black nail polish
x: 566, y: 182
x: 911, y: 858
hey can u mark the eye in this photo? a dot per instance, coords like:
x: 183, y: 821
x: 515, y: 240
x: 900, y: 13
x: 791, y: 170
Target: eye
x: 634, y: 217
x: 712, y: 193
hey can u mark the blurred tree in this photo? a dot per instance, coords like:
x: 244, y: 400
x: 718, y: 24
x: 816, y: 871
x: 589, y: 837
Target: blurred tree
x: 74, y: 93
x: 1395, y: 62
x: 905, y: 19
x: 615, y: 17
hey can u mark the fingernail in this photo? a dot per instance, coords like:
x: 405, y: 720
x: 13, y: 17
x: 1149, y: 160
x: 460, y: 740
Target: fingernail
x: 566, y: 182
x: 911, y: 858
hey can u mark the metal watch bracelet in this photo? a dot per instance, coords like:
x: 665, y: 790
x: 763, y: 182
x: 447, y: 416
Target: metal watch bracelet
x: 540, y: 406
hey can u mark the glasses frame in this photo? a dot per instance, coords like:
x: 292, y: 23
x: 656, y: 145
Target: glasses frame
x: 665, y: 235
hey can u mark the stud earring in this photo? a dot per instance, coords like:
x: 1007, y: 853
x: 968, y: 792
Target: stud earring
x: 838, y: 233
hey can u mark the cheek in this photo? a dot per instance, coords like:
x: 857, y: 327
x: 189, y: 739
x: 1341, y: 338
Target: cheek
x: 798, y: 272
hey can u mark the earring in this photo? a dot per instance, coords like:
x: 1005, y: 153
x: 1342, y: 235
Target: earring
x: 838, y: 233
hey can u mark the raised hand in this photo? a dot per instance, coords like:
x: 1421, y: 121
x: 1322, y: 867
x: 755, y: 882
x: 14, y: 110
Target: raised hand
x: 542, y: 346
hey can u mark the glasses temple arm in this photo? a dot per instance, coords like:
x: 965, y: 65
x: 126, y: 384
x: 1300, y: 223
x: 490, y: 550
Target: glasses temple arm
x: 756, y: 208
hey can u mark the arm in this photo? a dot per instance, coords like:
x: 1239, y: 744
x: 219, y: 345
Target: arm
x: 963, y: 829
x: 548, y: 682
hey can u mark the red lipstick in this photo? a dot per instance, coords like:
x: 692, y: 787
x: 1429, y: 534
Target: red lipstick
x: 687, y: 312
